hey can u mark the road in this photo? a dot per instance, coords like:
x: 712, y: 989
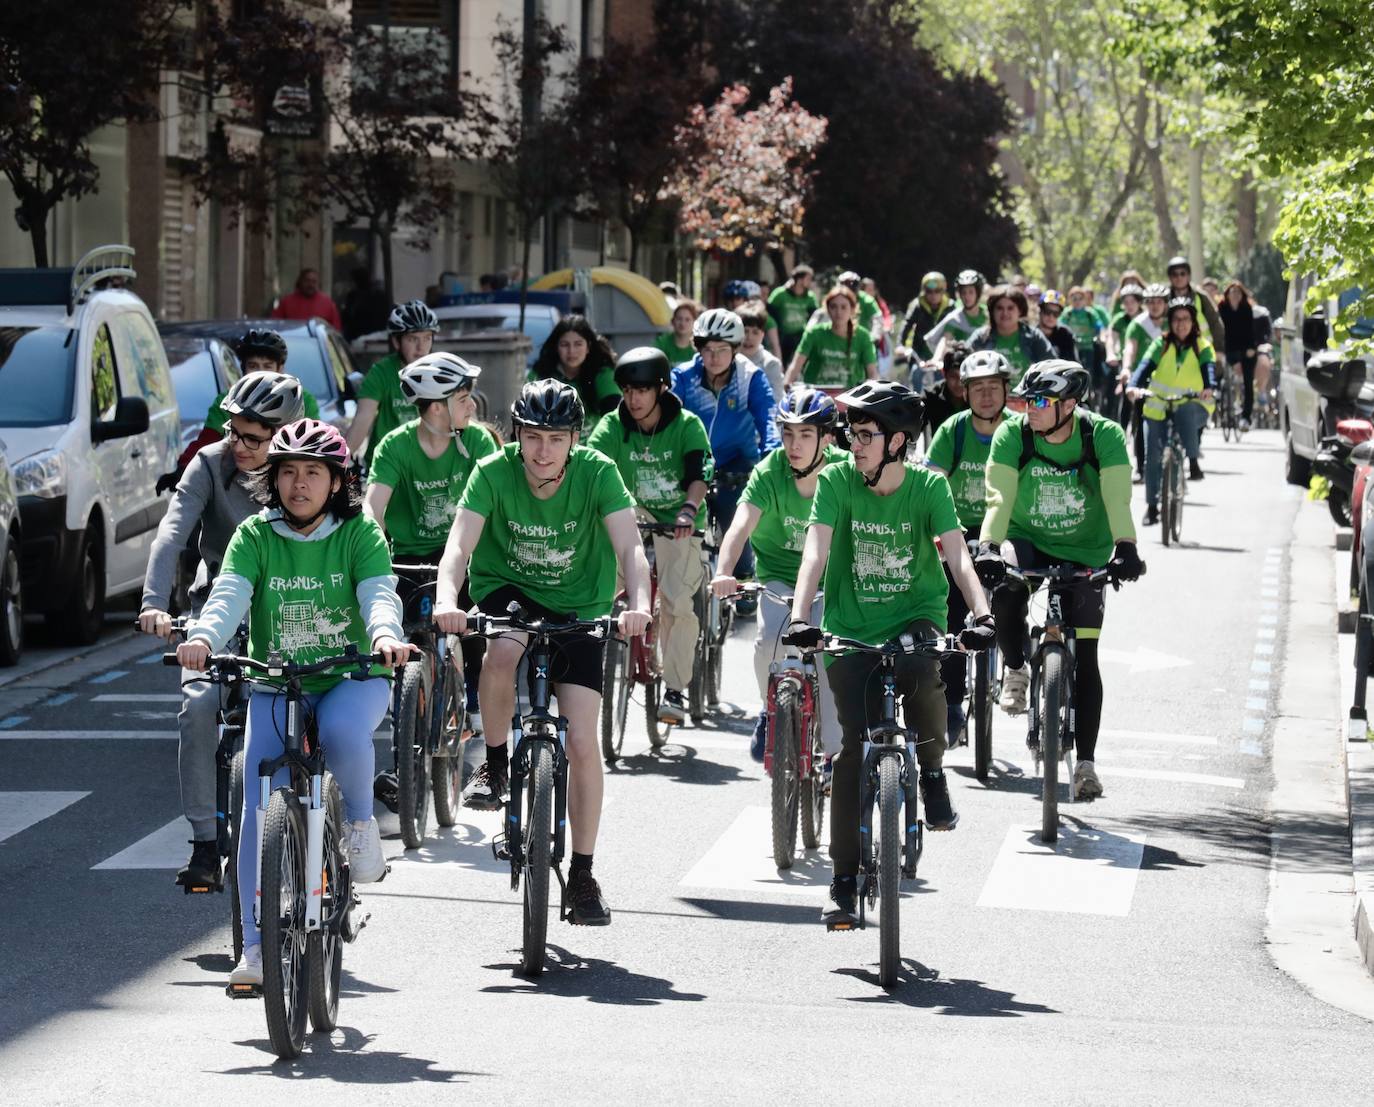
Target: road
x: 1128, y: 965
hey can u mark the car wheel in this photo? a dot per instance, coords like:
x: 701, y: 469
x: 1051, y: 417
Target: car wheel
x: 78, y: 622
x: 1297, y: 470
x: 11, y: 605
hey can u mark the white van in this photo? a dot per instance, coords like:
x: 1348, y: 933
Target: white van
x: 89, y: 416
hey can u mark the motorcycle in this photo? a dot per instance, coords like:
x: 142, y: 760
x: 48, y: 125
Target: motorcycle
x: 1338, y: 457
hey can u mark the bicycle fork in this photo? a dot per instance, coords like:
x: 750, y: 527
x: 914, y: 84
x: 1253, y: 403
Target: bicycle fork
x: 913, y: 835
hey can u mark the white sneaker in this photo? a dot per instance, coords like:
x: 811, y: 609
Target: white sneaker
x: 248, y: 972
x: 474, y: 723
x: 1086, y: 786
x: 1015, y: 684
x: 365, y: 852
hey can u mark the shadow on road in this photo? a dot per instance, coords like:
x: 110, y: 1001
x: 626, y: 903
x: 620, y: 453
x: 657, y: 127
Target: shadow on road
x: 566, y: 974
x: 919, y: 986
x: 344, y: 1058
x: 1243, y: 837
x: 678, y: 761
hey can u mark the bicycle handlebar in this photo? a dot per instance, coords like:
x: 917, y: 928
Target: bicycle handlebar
x: 754, y: 588
x: 1060, y: 574
x: 667, y: 530
x: 486, y: 625
x: 279, y: 667
x: 895, y: 647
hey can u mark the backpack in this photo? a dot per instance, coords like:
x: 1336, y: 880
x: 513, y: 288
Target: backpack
x: 1085, y: 428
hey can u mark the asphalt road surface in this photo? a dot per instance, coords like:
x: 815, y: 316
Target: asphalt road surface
x: 1126, y: 965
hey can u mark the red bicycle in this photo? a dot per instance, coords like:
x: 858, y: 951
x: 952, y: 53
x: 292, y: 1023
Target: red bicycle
x: 630, y: 663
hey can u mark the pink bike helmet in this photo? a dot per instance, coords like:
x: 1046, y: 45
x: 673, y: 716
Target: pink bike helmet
x: 310, y: 440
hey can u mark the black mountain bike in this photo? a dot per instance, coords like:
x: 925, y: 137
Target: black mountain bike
x: 1173, y: 476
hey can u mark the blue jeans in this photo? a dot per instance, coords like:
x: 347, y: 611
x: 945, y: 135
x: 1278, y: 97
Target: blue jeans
x: 347, y: 715
x: 1189, y: 421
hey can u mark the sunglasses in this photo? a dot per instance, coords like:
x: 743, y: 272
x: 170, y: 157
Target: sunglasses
x: 252, y: 441
x: 1041, y: 402
x: 1052, y: 312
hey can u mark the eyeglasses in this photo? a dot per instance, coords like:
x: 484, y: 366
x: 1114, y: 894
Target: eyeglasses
x: 1180, y: 272
x: 1041, y: 402
x: 865, y: 438
x: 252, y: 441
x: 1050, y: 312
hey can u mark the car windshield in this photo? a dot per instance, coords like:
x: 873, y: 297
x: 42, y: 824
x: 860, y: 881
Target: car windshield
x: 193, y: 375
x: 37, y: 373
x: 305, y: 361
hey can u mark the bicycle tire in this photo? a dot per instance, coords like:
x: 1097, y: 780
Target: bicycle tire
x: 1176, y: 503
x: 1166, y: 494
x: 446, y: 766
x: 411, y: 738
x: 658, y: 731
x: 538, y: 836
x: 1052, y: 689
x: 811, y: 795
x: 786, y: 759
x: 324, y: 948
x: 696, y: 687
x: 613, y: 680
x: 890, y: 800
x: 232, y: 863
x: 982, y: 714
x: 285, y: 980
x: 622, y: 694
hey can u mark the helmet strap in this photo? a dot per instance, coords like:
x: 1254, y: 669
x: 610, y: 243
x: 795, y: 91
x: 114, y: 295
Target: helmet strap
x: 1054, y: 429
x: 889, y: 456
x: 802, y: 474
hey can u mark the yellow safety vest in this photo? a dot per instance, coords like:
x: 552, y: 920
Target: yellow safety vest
x: 1173, y: 378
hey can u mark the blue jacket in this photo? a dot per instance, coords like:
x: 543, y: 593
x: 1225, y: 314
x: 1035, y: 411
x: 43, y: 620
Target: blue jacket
x: 739, y: 420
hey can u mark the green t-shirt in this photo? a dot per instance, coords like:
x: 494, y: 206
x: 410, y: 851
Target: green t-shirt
x: 1120, y: 321
x: 676, y: 354
x: 653, y: 465
x: 216, y: 419
x: 556, y: 551
x: 968, y: 482
x: 1011, y: 348
x: 884, y: 571
x: 792, y: 312
x: 780, y: 535
x: 1101, y: 313
x: 835, y: 362
x: 1083, y: 324
x: 425, y: 490
x: 1144, y: 330
x: 1061, y: 511
x: 305, y: 599
x: 868, y: 310
x: 383, y: 385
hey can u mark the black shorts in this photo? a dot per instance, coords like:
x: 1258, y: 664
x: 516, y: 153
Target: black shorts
x: 1084, y: 603
x: 578, y: 658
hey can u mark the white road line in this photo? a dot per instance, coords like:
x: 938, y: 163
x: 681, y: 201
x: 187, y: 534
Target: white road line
x: 20, y: 810
x: 1180, y: 778
x: 164, y: 848
x: 138, y: 697
x: 1151, y: 736
x: 151, y: 659
x: 1086, y: 872
x: 1252, y: 726
x: 1261, y: 667
x: 742, y: 860
x: 1250, y: 748
x: 87, y: 735
x: 108, y: 678
x: 1256, y: 703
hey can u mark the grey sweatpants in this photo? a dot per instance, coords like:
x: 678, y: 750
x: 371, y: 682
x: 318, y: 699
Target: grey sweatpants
x: 196, y: 753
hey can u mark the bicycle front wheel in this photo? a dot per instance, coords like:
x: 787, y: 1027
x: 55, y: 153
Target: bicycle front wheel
x: 412, y: 753
x: 324, y: 947
x: 786, y: 759
x: 890, y: 800
x: 982, y: 714
x: 614, y: 686
x: 1168, y: 467
x: 811, y: 798
x: 538, y: 836
x: 232, y: 863
x: 1051, y: 740
x: 446, y: 766
x: 1175, y: 517
x: 285, y: 983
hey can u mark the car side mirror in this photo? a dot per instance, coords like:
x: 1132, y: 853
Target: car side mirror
x: 1315, y: 332
x: 130, y: 418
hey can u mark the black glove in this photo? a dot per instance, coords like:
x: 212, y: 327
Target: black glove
x: 802, y: 634
x: 167, y: 482
x: 1125, y: 563
x: 981, y: 636
x: 988, y: 563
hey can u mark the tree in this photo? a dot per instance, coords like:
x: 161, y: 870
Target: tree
x: 743, y: 177
x: 66, y: 77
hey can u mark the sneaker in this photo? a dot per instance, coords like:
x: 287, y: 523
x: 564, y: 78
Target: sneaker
x: 387, y: 791
x: 202, y: 869
x: 1194, y: 469
x: 841, y: 904
x: 672, y: 708
x: 248, y: 972
x: 1086, y: 785
x: 760, y: 739
x: 1151, y: 516
x: 935, y: 802
x: 486, y: 791
x: 365, y: 852
x: 1245, y: 426
x: 475, y: 723
x: 1137, y: 477
x: 1015, y: 684
x: 588, y: 906
x: 956, y: 733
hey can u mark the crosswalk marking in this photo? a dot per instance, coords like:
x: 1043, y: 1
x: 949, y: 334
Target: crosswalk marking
x: 164, y: 848
x: 137, y: 697
x: 1180, y: 778
x: 1086, y: 872
x: 20, y: 810
x: 1152, y: 736
x: 742, y: 860
x: 108, y: 678
x: 87, y: 735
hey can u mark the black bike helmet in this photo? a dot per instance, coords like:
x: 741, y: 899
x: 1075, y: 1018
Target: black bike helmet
x: 547, y: 405
x: 413, y: 315
x: 260, y: 342
x: 893, y: 406
x: 643, y: 367
x: 1057, y: 378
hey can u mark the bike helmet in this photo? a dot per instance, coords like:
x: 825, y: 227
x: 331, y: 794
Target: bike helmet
x: 547, y: 405
x: 437, y: 377
x: 1178, y: 261
x: 752, y: 290
x: 1185, y: 302
x: 260, y: 342
x: 984, y: 364
x: 309, y: 440
x: 1057, y: 378
x: 413, y: 315
x: 1032, y: 292
x: 893, y: 406
x: 1052, y: 297
x: 933, y: 280
x: 717, y: 325
x: 735, y: 290
x: 807, y: 407
x: 971, y: 278
x: 849, y: 279
x: 1156, y: 291
x: 272, y: 399
x: 643, y: 367
x: 1131, y: 289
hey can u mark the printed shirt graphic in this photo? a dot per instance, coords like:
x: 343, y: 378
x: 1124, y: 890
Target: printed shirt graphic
x: 1060, y: 510
x: 780, y: 536
x: 1084, y: 325
x: 653, y: 465
x: 833, y: 361
x: 425, y: 490
x: 383, y: 385
x: 1011, y: 348
x: 884, y: 571
x: 556, y: 551
x: 968, y: 483
x: 792, y: 312
x: 305, y: 601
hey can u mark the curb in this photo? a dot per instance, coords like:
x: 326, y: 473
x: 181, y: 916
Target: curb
x: 12, y: 680
x: 1360, y: 781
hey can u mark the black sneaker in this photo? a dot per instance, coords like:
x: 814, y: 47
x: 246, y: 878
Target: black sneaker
x: 203, y: 870
x: 588, y: 906
x: 1151, y: 516
x: 673, y: 708
x: 387, y: 792
x: 1194, y: 469
x: 486, y: 791
x: 939, y: 811
x: 841, y: 905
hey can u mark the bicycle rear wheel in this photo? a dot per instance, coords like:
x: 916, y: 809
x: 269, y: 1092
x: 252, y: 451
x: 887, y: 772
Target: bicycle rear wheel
x: 1168, y: 465
x: 658, y: 731
x: 324, y: 947
x: 412, y: 752
x: 786, y: 759
x: 696, y: 689
x: 538, y: 836
x: 446, y: 766
x: 811, y: 798
x: 232, y: 864
x: 890, y: 800
x: 285, y: 980
x: 1051, y: 738
x: 982, y: 714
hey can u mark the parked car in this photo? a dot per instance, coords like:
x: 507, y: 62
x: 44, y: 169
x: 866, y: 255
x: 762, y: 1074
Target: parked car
x: 11, y: 581
x: 464, y: 319
x: 90, y: 420
x: 202, y: 368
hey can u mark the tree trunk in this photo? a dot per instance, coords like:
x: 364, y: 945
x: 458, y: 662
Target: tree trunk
x: 1247, y: 216
x: 526, y: 245
x: 383, y: 239
x: 38, y: 235
x: 1159, y: 188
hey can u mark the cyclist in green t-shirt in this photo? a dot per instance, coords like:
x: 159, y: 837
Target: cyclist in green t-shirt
x: 869, y: 311
x: 663, y: 456
x: 677, y: 343
x: 960, y: 451
x: 382, y: 406
x: 837, y: 354
x: 543, y: 523
x: 1065, y: 506
x: 575, y: 354
x: 1083, y: 323
x: 959, y: 324
x: 792, y: 305
x: 874, y: 521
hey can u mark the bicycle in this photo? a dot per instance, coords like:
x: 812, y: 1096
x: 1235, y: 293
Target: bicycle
x: 306, y: 905
x: 1226, y: 415
x: 1173, y: 478
x: 983, y: 686
x: 534, y: 838
x: 715, y: 617
x: 889, y: 779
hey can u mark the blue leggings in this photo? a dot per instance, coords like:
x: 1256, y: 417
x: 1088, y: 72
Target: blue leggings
x: 347, y: 715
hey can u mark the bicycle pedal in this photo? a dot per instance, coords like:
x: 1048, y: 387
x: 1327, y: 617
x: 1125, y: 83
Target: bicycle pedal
x: 841, y: 926
x: 201, y: 889
x: 244, y: 991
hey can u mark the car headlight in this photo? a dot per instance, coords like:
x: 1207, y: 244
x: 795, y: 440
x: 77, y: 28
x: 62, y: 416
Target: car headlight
x: 43, y: 475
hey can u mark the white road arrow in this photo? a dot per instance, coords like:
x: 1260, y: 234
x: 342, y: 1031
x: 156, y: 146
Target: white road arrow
x: 1142, y: 659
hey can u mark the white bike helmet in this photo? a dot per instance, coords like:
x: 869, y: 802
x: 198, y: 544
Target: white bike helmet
x: 984, y: 364
x: 272, y: 399
x: 718, y: 325
x: 437, y: 377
